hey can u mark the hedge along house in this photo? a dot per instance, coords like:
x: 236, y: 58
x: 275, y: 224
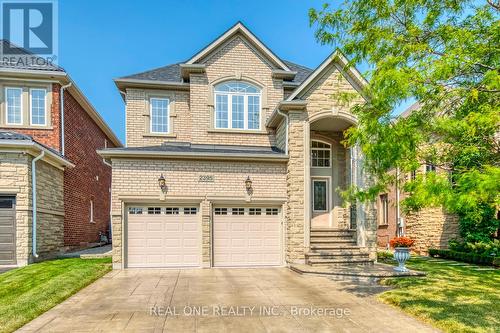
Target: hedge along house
x: 233, y: 158
x: 48, y: 125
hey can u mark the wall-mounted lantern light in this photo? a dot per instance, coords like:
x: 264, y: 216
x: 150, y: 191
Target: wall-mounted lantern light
x: 248, y: 183
x: 162, y: 183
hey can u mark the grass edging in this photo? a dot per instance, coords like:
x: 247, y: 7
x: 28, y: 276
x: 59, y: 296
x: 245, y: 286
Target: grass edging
x: 28, y: 292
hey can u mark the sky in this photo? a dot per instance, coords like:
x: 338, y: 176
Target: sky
x: 102, y: 40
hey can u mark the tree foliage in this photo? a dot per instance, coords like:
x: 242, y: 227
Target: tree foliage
x: 445, y: 54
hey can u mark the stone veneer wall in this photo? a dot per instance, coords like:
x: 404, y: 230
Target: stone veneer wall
x: 431, y: 228
x: 138, y: 179
x: 15, y: 179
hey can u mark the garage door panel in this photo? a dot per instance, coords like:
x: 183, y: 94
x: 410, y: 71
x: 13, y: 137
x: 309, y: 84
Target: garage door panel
x: 165, y: 239
x: 249, y: 239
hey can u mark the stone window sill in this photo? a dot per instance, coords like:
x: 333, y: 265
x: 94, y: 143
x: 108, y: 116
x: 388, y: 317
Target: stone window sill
x: 30, y: 127
x: 232, y: 131
x: 159, y: 135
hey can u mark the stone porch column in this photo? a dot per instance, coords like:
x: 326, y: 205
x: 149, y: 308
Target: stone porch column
x: 296, y: 184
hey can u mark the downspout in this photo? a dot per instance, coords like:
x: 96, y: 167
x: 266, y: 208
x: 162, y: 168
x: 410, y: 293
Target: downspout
x: 33, y: 199
x: 61, y: 102
x: 286, y: 131
x: 400, y: 231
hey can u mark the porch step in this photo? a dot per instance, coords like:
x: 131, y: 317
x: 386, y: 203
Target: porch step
x: 339, y: 261
x: 337, y: 253
x: 332, y: 240
x: 344, y: 232
x: 333, y: 247
x: 332, y: 234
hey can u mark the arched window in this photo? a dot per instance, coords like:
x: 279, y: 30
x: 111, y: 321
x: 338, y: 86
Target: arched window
x: 237, y: 106
x: 321, y: 153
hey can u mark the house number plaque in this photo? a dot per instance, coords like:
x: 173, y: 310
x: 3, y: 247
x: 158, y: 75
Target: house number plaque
x: 206, y: 179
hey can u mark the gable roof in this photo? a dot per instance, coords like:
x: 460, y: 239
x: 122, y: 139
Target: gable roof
x: 342, y: 63
x: 20, y: 69
x: 240, y: 28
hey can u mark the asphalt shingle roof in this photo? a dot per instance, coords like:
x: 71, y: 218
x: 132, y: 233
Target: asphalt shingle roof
x: 14, y: 136
x: 20, y: 58
x: 172, y: 73
x: 185, y: 147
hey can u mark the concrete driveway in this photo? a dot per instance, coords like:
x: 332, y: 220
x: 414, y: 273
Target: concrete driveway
x: 223, y: 300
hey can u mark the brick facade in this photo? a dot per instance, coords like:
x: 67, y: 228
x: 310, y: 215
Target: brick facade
x: 90, y: 179
x: 136, y: 179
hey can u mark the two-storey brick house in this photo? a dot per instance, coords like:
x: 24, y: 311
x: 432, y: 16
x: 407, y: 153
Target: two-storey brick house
x: 234, y: 158
x: 70, y: 205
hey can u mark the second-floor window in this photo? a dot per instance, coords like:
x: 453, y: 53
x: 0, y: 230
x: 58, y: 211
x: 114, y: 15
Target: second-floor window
x: 159, y: 115
x: 37, y: 109
x: 14, y: 106
x: 237, y: 106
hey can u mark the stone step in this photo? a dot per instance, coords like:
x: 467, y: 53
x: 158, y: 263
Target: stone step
x: 324, y: 254
x: 339, y: 261
x: 333, y: 234
x: 331, y: 230
x: 332, y: 240
x: 332, y: 247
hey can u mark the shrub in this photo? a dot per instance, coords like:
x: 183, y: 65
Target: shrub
x: 466, y: 257
x: 486, y: 248
x: 401, y: 242
x: 384, y: 255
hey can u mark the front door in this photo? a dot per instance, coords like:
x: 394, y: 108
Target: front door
x: 321, y: 205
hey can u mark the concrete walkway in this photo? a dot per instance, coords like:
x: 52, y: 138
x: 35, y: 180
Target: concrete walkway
x: 91, y: 253
x: 223, y: 300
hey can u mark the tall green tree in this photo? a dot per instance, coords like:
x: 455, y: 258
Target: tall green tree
x: 445, y: 54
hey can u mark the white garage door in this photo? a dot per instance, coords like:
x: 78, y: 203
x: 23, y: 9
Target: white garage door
x: 163, y: 236
x: 247, y: 236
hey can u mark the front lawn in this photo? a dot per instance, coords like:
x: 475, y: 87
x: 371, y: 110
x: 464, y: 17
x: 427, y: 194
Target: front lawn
x: 451, y: 297
x: 27, y: 292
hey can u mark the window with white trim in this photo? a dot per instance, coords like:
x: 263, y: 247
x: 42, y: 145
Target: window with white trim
x: 237, y: 211
x: 321, y: 153
x: 384, y: 209
x: 237, y: 106
x: 38, y: 106
x: 172, y: 210
x: 271, y: 211
x: 190, y: 210
x: 320, y: 195
x: 14, y: 106
x: 154, y: 210
x: 254, y: 211
x: 159, y: 115
x: 135, y: 210
x: 220, y: 211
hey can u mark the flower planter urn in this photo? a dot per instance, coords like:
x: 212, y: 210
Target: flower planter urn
x: 401, y: 255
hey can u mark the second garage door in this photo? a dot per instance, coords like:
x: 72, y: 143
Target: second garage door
x: 163, y: 236
x: 247, y: 236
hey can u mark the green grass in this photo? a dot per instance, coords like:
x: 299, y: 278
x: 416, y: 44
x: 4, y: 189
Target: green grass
x: 27, y: 292
x: 451, y: 298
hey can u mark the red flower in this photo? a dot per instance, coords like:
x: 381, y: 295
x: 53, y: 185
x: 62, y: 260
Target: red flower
x: 401, y: 242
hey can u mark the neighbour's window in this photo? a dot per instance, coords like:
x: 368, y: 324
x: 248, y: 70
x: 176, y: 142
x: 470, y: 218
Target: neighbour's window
x: 91, y: 211
x: 254, y: 211
x: 13, y: 98
x: 320, y: 195
x: 429, y: 167
x: 413, y: 174
x: 271, y: 211
x: 384, y: 209
x: 237, y: 106
x: 237, y: 211
x: 38, y: 105
x: 320, y: 154
x: 159, y: 112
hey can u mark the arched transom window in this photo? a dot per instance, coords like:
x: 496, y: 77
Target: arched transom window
x: 321, y: 153
x: 237, y: 106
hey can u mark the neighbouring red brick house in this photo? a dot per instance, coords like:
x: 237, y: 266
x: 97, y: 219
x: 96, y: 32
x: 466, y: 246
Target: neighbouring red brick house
x: 30, y: 100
